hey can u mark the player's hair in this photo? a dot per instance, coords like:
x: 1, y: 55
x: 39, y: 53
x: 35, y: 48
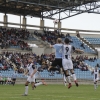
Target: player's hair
x: 59, y: 40
x: 66, y: 40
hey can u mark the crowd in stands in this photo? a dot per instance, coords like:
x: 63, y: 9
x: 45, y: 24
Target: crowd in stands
x: 14, y: 37
x: 44, y: 61
x: 20, y: 60
x: 92, y: 59
x: 79, y: 62
x: 49, y: 36
x: 41, y: 62
x: 4, y: 64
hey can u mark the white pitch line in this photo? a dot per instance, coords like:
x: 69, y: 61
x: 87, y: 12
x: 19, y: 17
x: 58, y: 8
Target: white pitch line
x: 34, y: 98
x: 94, y: 98
x: 61, y: 96
x: 80, y: 97
x: 52, y: 96
x: 69, y: 97
x: 14, y: 97
x: 23, y: 98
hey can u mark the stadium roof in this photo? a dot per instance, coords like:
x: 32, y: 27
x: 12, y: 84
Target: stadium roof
x: 48, y: 8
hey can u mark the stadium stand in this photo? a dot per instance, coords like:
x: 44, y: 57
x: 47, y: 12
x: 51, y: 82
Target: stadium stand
x: 50, y: 37
x: 93, y: 40
x: 10, y: 39
x: 93, y: 63
x: 16, y: 41
x: 41, y: 62
x: 79, y: 44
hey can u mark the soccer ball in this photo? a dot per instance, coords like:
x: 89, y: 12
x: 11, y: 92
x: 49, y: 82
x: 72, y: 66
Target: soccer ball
x: 55, y: 21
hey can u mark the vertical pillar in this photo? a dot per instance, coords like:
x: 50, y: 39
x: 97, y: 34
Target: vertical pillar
x: 20, y: 21
x: 59, y: 25
x: 98, y: 50
x: 54, y: 26
x: 42, y: 24
x: 59, y: 22
x: 24, y: 22
x: 5, y: 20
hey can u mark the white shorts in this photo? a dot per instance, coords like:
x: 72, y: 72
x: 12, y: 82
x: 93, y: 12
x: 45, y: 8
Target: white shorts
x: 67, y: 64
x: 29, y: 79
x: 96, y: 79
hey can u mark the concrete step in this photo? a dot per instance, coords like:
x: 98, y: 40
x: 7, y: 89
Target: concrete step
x: 15, y: 50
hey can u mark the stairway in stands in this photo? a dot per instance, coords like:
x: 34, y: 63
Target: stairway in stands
x: 87, y: 43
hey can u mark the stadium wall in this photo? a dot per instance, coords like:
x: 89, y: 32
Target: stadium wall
x: 55, y: 81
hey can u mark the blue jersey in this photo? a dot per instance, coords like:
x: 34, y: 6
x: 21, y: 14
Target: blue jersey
x: 58, y: 50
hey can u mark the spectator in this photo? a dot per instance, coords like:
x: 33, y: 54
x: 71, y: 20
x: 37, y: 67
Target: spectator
x: 82, y: 45
x: 77, y: 34
x: 68, y: 35
x: 98, y: 65
x: 9, y: 81
x: 1, y: 80
x: 14, y: 76
x: 4, y: 80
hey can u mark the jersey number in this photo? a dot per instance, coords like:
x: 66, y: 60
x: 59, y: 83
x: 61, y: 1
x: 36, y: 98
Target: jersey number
x: 67, y: 49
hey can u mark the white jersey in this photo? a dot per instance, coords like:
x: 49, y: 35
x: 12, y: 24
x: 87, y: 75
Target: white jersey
x: 96, y: 75
x: 30, y: 69
x: 66, y: 61
x: 67, y: 50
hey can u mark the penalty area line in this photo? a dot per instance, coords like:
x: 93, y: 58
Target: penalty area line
x: 26, y: 96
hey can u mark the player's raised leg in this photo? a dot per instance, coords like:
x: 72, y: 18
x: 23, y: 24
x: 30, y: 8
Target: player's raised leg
x: 74, y: 77
x: 41, y: 83
x: 26, y: 89
x: 68, y: 78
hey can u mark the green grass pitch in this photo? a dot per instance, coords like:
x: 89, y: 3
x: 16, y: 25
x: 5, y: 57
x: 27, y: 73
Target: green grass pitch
x: 50, y: 92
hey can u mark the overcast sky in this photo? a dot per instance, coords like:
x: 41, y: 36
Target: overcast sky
x: 86, y: 21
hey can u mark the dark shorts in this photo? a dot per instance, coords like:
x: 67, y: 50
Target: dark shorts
x: 57, y: 62
x: 14, y: 79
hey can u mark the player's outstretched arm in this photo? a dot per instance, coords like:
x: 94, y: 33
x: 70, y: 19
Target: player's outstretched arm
x: 92, y: 72
x: 79, y: 51
x: 51, y: 46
